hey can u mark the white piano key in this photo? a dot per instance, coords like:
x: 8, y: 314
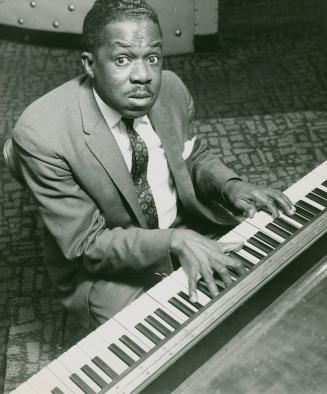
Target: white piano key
x: 24, y: 388
x: 180, y: 277
x: 164, y: 293
x: 112, y: 330
x: 129, y: 317
x: 248, y: 256
x: 147, y: 306
x: 321, y: 170
x: 45, y: 381
x: 74, y: 360
x: 322, y: 187
x: 255, y: 248
x: 94, y: 345
x: 245, y: 230
x: 133, y: 333
x: 248, y: 231
x: 234, y: 237
x: 260, y: 221
x: 299, y: 189
x: 291, y: 221
x: 63, y: 373
x: 313, y: 203
x: 160, y: 294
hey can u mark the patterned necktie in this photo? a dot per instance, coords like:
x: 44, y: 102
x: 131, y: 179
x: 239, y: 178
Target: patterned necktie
x: 140, y: 158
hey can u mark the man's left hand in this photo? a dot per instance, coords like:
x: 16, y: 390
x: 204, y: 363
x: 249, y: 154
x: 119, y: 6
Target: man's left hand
x: 251, y: 198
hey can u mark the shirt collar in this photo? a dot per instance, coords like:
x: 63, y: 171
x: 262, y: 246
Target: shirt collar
x: 113, y: 117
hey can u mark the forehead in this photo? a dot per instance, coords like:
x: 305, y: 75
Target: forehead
x: 129, y: 33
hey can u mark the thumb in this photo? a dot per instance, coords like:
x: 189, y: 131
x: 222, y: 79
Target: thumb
x: 247, y: 207
x: 231, y: 247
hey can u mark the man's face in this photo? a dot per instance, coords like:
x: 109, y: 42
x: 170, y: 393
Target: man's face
x: 126, y: 70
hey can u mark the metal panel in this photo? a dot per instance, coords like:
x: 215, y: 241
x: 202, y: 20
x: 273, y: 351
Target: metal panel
x: 176, y: 17
x: 206, y: 16
x: 177, y: 23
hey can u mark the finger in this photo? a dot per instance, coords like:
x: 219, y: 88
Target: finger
x: 223, y: 272
x: 231, y: 246
x: 237, y: 265
x: 247, y: 207
x: 210, y: 282
x: 192, y: 281
x: 270, y: 207
x: 285, y: 203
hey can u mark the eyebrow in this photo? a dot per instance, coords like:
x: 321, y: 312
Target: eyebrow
x: 125, y: 44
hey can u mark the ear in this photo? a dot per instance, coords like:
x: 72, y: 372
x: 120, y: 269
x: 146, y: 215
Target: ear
x: 88, y: 63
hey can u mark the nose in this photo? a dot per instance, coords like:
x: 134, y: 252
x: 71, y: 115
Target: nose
x: 140, y: 72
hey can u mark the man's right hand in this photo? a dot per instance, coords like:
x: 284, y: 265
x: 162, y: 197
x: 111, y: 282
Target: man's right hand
x: 202, y: 257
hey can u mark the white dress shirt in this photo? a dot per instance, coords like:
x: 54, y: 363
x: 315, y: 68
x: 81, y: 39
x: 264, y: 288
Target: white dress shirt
x: 159, y: 175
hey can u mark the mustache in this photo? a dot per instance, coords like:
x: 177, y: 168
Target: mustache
x: 139, y: 91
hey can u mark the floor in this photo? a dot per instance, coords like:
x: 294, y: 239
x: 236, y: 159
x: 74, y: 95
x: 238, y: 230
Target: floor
x: 262, y: 106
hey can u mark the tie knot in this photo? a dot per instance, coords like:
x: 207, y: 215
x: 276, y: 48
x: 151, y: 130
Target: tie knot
x: 129, y: 123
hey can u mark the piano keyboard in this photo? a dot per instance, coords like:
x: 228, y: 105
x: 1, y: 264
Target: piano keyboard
x: 131, y: 349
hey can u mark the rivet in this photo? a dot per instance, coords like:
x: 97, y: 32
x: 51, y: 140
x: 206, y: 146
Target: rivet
x: 55, y: 24
x: 71, y: 7
x: 178, y: 33
x: 33, y: 4
x: 20, y: 21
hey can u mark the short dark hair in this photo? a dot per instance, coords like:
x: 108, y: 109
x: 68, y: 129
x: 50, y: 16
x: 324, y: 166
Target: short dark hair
x: 106, y: 11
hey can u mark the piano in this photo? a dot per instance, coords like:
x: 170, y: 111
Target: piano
x: 158, y: 340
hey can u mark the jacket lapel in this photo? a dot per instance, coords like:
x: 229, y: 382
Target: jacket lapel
x: 103, y: 145
x: 166, y: 130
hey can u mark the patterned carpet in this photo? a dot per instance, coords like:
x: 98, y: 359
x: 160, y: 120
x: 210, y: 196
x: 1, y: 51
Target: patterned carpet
x: 263, y: 108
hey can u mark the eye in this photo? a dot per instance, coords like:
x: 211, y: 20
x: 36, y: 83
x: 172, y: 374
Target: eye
x: 122, y: 60
x: 153, y: 59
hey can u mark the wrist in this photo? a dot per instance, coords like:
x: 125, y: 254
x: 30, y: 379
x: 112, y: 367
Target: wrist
x: 178, y: 240
x: 229, y: 187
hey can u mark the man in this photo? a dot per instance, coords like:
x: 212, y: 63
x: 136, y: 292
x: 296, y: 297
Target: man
x: 120, y: 179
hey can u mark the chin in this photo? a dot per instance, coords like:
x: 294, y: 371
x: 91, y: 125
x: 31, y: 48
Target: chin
x: 137, y: 112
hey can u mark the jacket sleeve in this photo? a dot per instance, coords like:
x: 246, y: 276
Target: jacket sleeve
x: 74, y: 220
x: 209, y: 174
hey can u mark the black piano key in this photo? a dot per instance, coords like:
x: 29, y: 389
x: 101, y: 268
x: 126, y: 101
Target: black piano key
x: 132, y: 345
x: 181, y: 307
x: 148, y: 333
x: 56, y: 390
x: 260, y: 245
x: 167, y: 318
x: 277, y: 230
x: 305, y: 213
x: 248, y: 264
x: 298, y: 218
x: 285, y: 225
x: 220, y: 285
x: 266, y: 238
x: 158, y: 326
x: 104, y: 367
x: 234, y: 273
x: 201, y: 287
x: 81, y: 384
x: 121, y: 354
x: 253, y: 252
x: 320, y: 192
x: 94, y: 376
x: 317, y: 199
x: 324, y: 183
x: 303, y: 204
x: 185, y: 296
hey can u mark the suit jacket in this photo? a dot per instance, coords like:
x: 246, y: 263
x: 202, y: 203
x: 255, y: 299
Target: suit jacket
x: 76, y: 172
